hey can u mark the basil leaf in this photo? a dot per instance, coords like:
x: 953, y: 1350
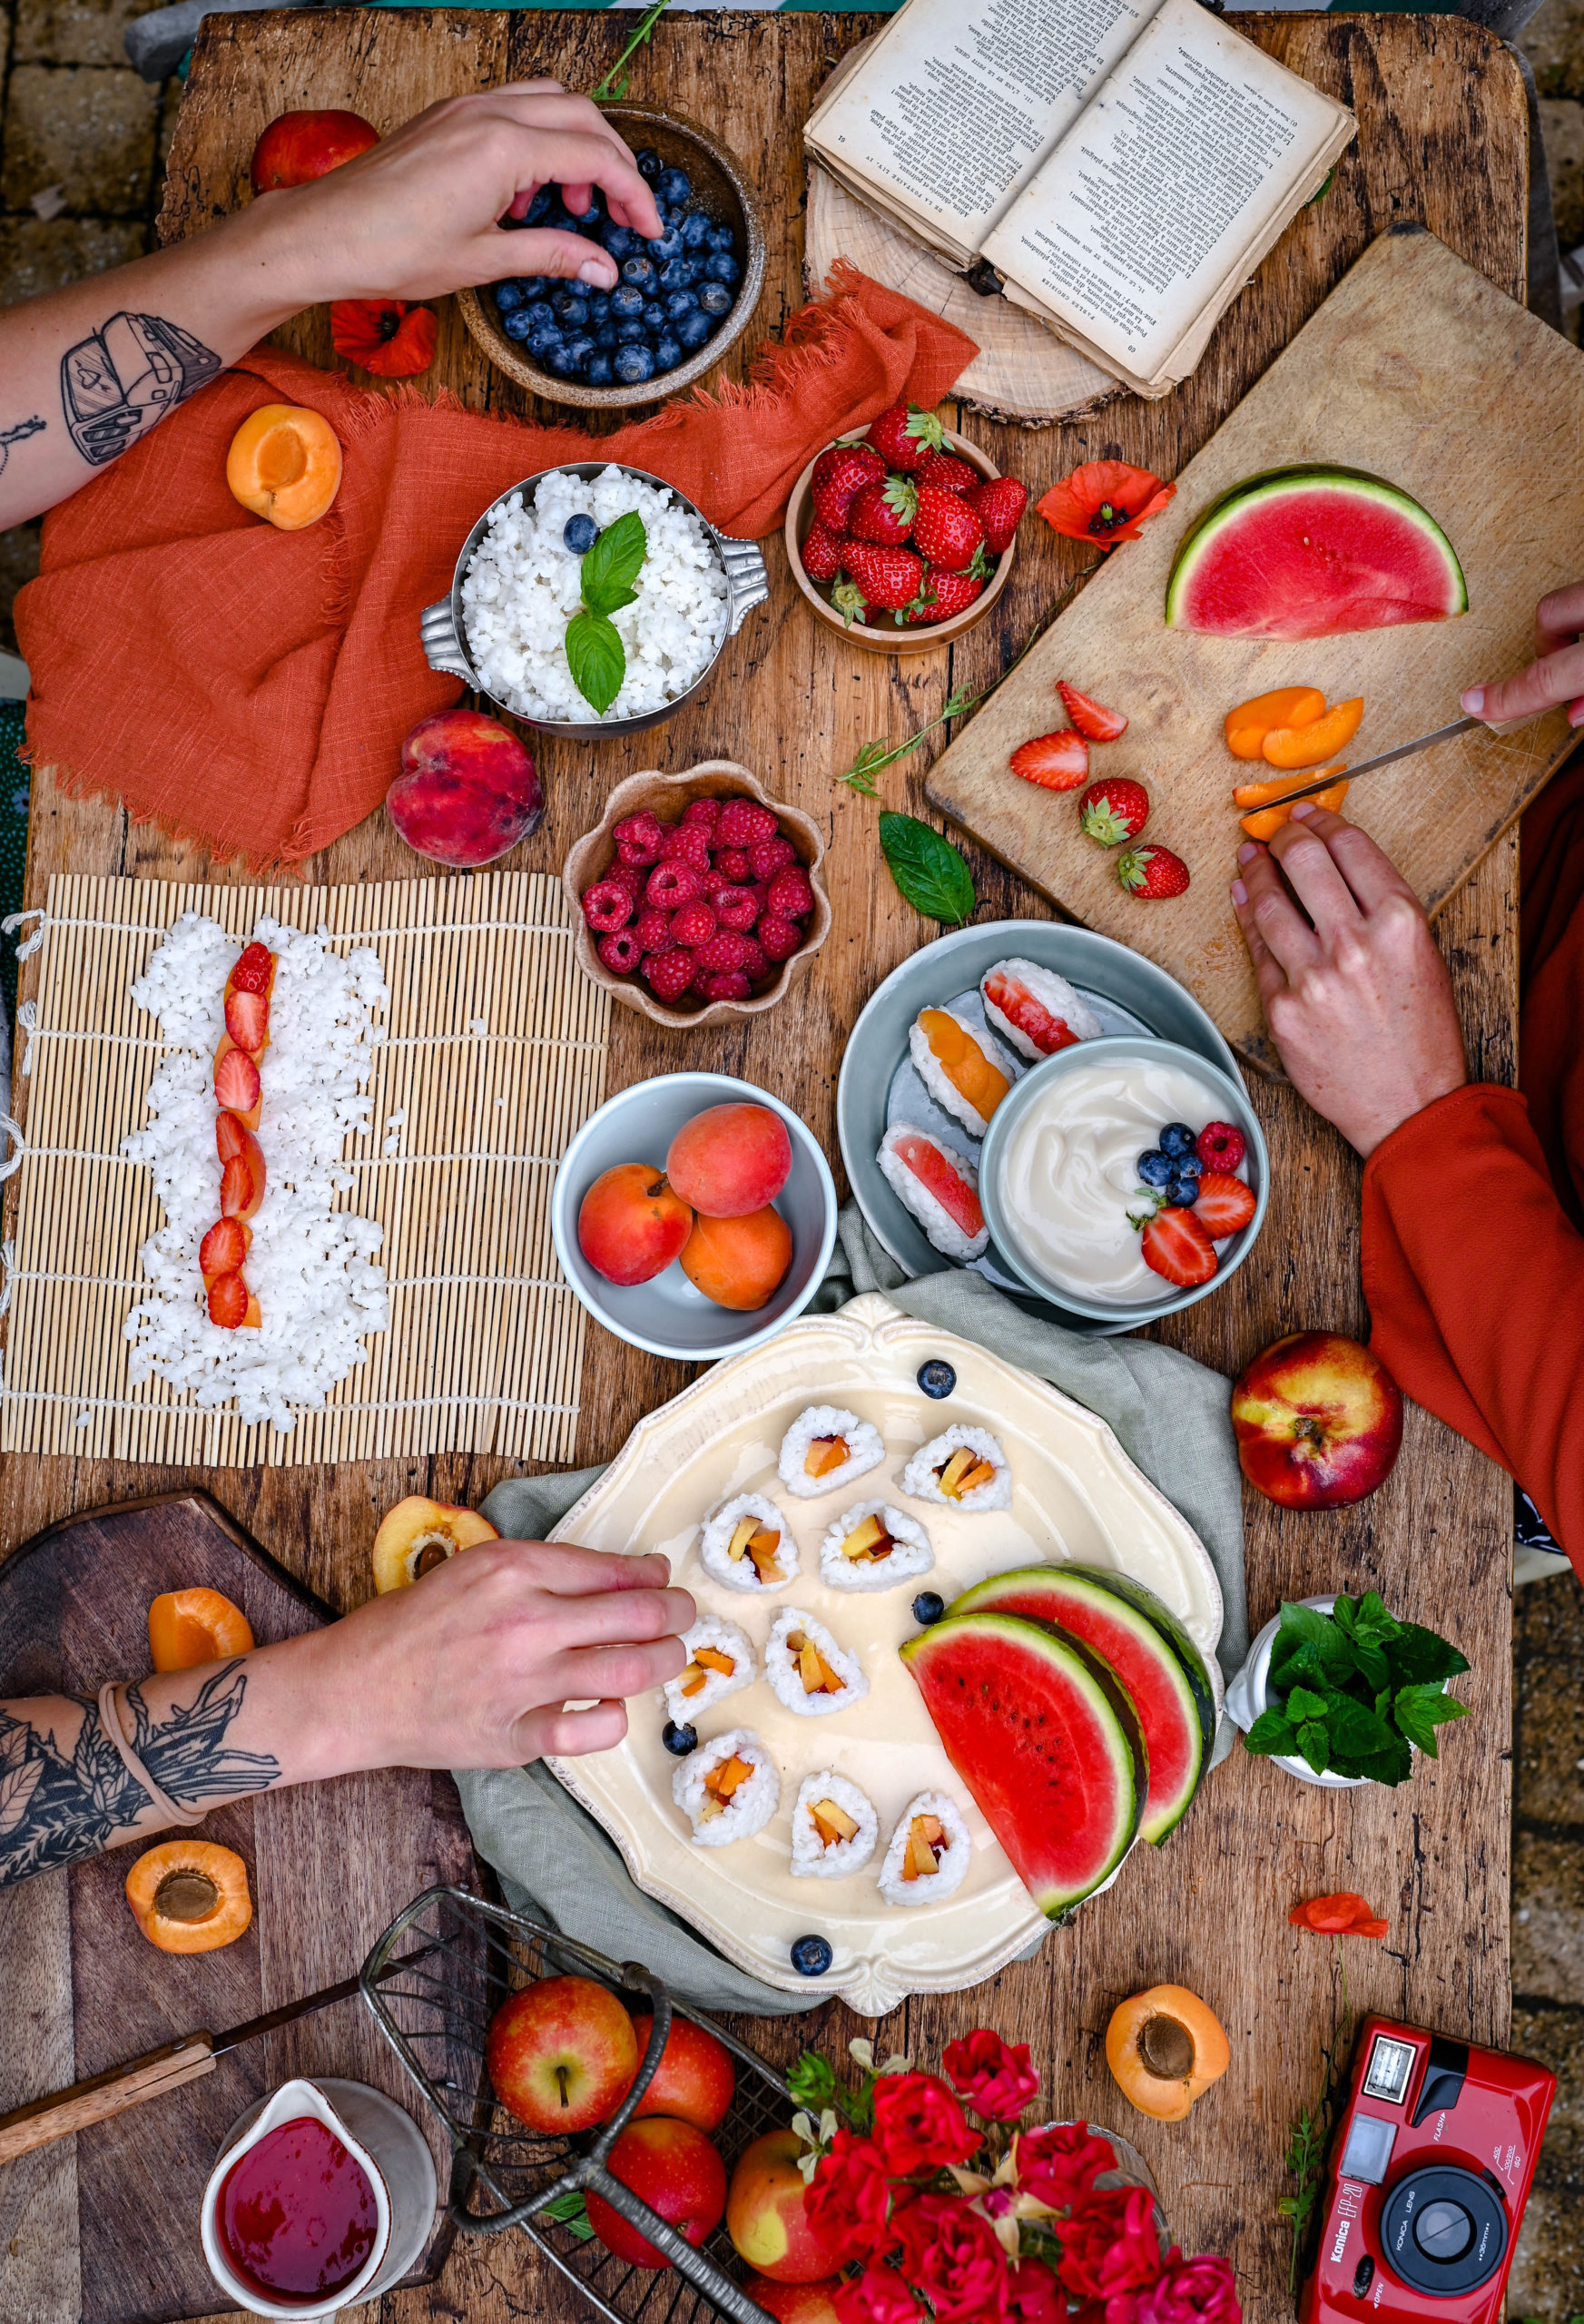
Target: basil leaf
x: 611, y: 566
x: 596, y: 657
x: 1271, y: 1734
x: 930, y: 873
x: 570, y: 2211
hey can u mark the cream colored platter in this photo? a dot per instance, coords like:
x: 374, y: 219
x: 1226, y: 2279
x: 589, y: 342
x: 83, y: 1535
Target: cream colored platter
x: 1076, y: 1498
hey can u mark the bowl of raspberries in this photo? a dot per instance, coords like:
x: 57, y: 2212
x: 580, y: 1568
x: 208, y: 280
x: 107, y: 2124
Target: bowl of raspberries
x: 902, y: 536
x: 698, y: 897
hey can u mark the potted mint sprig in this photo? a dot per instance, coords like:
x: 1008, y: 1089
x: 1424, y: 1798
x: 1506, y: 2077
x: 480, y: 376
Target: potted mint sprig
x: 595, y: 652
x: 1341, y: 1688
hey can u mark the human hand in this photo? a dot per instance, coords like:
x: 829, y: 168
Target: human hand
x: 1355, y: 991
x: 1556, y: 675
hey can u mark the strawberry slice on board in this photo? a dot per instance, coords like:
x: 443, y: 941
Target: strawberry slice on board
x: 247, y: 1021
x: 1093, y: 721
x: 237, y: 1087
x: 1175, y: 1245
x: 1059, y: 762
x: 1225, y: 1203
x: 241, y: 1180
x: 233, y: 1306
x: 223, y: 1250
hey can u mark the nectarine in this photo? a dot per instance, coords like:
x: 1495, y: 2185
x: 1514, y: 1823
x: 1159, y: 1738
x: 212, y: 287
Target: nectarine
x: 298, y: 147
x: 676, y: 2172
x: 420, y: 1534
x: 562, y: 2054
x: 766, y: 2218
x: 1318, y: 1420
x: 730, y: 1159
x: 738, y: 1262
x: 630, y: 1224
x: 695, y: 2079
x: 285, y: 465
x: 468, y: 791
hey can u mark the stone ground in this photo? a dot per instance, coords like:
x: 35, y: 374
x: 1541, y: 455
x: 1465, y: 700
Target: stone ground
x: 81, y: 148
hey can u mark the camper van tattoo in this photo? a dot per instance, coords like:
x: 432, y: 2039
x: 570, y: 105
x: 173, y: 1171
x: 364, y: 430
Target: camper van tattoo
x: 134, y: 369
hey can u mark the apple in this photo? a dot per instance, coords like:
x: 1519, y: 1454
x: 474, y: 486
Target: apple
x: 765, y: 2217
x: 562, y: 2054
x: 676, y: 2172
x: 795, y: 2303
x: 468, y: 791
x: 298, y: 147
x: 695, y: 2079
x: 1319, y: 1421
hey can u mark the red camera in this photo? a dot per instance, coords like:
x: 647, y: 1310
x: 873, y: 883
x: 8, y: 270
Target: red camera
x: 1426, y: 2179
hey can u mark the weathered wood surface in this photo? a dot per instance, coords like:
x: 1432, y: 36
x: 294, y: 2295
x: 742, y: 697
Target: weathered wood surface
x: 1443, y: 140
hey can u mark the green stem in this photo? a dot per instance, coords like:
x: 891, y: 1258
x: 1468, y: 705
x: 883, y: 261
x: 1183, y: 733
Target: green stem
x: 610, y: 91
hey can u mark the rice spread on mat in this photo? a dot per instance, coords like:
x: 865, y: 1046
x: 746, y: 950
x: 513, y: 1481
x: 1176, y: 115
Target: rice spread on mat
x: 524, y: 584
x: 311, y: 1267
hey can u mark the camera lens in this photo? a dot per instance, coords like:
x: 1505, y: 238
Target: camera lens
x: 1443, y: 2229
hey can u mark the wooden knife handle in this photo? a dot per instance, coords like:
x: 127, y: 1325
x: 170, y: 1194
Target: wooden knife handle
x: 43, y: 2119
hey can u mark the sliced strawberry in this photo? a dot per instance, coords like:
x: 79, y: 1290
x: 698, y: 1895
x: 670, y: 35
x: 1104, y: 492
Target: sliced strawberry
x: 247, y: 1020
x: 1225, y: 1203
x: 241, y: 1182
x: 1059, y: 762
x: 1176, y: 1246
x: 223, y: 1249
x: 230, y: 1136
x: 237, y: 1086
x: 229, y: 1301
x: 1091, y: 718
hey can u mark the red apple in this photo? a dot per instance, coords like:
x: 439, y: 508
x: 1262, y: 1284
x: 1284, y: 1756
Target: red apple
x: 695, y: 2079
x: 1319, y: 1421
x: 795, y: 2303
x: 765, y: 2217
x: 468, y: 791
x: 299, y: 147
x: 562, y: 2054
x: 677, y: 2172
x: 630, y: 1227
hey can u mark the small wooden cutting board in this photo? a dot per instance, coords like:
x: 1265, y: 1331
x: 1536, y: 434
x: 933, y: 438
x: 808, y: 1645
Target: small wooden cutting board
x: 1420, y: 370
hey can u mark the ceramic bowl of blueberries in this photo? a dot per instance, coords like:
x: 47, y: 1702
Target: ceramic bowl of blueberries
x: 681, y: 300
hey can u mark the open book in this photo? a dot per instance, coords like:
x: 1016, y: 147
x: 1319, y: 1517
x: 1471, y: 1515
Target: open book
x: 1123, y: 166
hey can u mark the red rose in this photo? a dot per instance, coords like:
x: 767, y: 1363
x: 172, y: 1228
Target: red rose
x: 1110, y: 2245
x: 848, y: 2198
x: 998, y: 2081
x: 879, y: 2296
x: 1192, y: 2291
x: 919, y: 2124
x: 1034, y: 2296
x: 1061, y: 2162
x: 950, y: 2254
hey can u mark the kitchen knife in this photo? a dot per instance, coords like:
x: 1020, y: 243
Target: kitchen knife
x: 1387, y: 758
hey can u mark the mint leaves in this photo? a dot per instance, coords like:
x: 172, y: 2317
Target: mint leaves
x: 1354, y: 1687
x: 595, y: 652
x: 930, y: 873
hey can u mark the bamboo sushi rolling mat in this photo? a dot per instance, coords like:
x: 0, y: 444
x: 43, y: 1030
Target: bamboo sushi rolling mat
x: 494, y: 1047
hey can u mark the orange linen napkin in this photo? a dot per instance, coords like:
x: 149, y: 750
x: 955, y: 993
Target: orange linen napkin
x: 250, y: 689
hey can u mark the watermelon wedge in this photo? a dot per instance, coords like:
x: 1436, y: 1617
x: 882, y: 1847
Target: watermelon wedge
x: 1148, y: 1650
x: 1043, y: 1734
x: 1310, y: 552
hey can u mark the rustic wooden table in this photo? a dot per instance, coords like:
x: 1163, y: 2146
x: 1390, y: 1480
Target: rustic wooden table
x: 1443, y: 139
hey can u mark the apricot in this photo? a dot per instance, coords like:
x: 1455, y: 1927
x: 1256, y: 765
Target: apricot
x: 298, y: 147
x: 1315, y: 741
x: 1245, y: 727
x: 1164, y: 2048
x: 1266, y: 821
x: 285, y: 465
x: 738, y: 1262
x: 468, y: 792
x: 420, y: 1534
x: 631, y: 1225
x: 187, y: 1627
x: 730, y: 1160
x: 190, y: 1895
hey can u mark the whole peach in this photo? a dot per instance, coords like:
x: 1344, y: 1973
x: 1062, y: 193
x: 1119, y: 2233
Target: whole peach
x: 298, y: 147
x: 730, y: 1159
x: 561, y: 2053
x: 738, y: 1262
x: 1318, y: 1420
x: 630, y: 1224
x: 794, y: 2303
x: 468, y: 791
x: 676, y: 2172
x: 695, y: 2079
x: 765, y: 2216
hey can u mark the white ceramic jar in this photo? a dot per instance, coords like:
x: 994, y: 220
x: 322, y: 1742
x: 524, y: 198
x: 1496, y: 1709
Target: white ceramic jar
x: 1248, y: 1696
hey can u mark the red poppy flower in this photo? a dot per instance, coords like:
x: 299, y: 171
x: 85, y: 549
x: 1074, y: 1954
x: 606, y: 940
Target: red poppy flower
x: 385, y: 336
x: 1343, y: 1914
x: 1105, y: 501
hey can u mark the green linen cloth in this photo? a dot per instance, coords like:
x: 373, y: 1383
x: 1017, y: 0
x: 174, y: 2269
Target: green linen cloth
x: 1171, y: 1416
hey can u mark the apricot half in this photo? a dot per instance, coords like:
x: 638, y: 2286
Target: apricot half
x: 190, y: 1895
x: 1315, y: 741
x: 285, y: 465
x: 1164, y: 2048
x: 187, y: 1627
x: 1246, y: 726
x: 1266, y: 821
x: 420, y: 1534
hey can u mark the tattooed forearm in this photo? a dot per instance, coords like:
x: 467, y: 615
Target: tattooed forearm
x: 117, y: 384
x: 17, y: 435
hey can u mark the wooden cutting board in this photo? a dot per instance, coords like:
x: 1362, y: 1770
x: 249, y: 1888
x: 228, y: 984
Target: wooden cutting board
x: 1417, y: 369
x: 103, y: 2226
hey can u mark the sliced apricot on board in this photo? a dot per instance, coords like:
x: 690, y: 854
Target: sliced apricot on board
x: 190, y: 1895
x: 1247, y: 725
x: 420, y: 1534
x: 187, y: 1627
x: 285, y: 465
x: 1311, y: 744
x: 1267, y: 821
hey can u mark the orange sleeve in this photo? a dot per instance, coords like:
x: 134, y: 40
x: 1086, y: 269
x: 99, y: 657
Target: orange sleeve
x: 1475, y: 1283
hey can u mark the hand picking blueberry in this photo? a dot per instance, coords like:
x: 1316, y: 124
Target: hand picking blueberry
x: 812, y: 1955
x: 679, y: 1740
x: 936, y: 1377
x: 1176, y: 1138
x: 580, y: 535
x: 928, y: 1607
x: 650, y: 164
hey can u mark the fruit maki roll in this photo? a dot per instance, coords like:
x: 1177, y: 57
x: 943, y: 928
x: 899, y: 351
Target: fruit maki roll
x: 965, y: 1069
x: 808, y: 1674
x: 826, y: 1447
x: 926, y: 1857
x: 720, y: 1660
x: 728, y: 1788
x: 873, y: 1546
x: 964, y: 1468
x: 748, y: 1545
x: 1037, y: 1011
x: 939, y: 1186
x: 833, y: 1828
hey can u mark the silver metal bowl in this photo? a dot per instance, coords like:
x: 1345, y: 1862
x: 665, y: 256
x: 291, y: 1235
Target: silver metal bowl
x: 445, y: 636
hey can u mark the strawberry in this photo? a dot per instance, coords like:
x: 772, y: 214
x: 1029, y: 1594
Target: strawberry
x: 1058, y: 761
x: 1093, y: 721
x: 882, y: 512
x: 1113, y: 811
x: 227, y: 1301
x: 247, y: 1020
x: 223, y: 1249
x: 849, y: 601
x: 943, y: 595
x: 1152, y: 872
x: 254, y: 970
x: 888, y: 577
x: 1219, y: 1146
x: 946, y: 530
x: 821, y: 552
x: 999, y: 504
x: 1175, y: 1245
x: 838, y: 473
x: 903, y: 435
x: 237, y: 1089
x: 946, y: 471
x: 1225, y: 1203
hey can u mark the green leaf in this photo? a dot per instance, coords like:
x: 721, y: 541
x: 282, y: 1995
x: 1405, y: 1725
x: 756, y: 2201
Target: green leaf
x: 596, y: 657
x: 1372, y: 1666
x: 1390, y: 1766
x: 928, y: 872
x: 1419, y: 1656
x: 1420, y: 1710
x: 1373, y: 1622
x: 613, y: 564
x: 1271, y: 1735
x: 1314, y: 1745
x: 1357, y: 1730
x: 570, y: 2211
x: 1302, y: 1704
x: 812, y: 2082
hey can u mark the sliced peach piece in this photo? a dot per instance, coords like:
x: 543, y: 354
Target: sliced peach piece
x: 964, y: 1465
x: 285, y: 465
x: 1314, y: 742
x: 832, y: 1823
x: 964, y: 1063
x: 1246, y: 726
x: 189, y: 1627
x: 765, y: 1556
x: 743, y: 1532
x: 724, y: 1782
x: 420, y: 1534
x: 824, y: 1453
x: 709, y: 1659
x: 867, y: 1542
x: 1267, y: 821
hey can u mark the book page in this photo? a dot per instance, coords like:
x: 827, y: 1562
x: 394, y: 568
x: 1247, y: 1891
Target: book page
x: 1134, y: 225
x: 952, y: 108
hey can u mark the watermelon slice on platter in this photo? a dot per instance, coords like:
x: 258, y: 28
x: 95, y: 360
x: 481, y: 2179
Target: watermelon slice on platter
x: 1149, y: 1651
x: 1044, y: 1735
x: 1312, y: 552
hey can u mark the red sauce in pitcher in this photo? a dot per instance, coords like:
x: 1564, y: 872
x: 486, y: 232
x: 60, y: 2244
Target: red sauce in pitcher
x: 296, y: 2216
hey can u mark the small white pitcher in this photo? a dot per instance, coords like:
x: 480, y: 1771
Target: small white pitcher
x: 1248, y: 1695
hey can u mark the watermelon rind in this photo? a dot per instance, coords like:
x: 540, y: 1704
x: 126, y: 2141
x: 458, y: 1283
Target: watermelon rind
x: 1171, y: 1629
x: 1171, y: 1694
x: 993, y: 1748
x: 1270, y: 485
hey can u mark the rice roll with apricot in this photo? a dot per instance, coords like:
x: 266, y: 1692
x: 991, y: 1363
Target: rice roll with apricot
x: 808, y: 1674
x: 965, y: 1069
x: 747, y: 1545
x: 927, y: 1856
x: 937, y: 1186
x: 1037, y: 1010
x: 833, y: 1828
x: 964, y: 1468
x: 826, y: 1447
x: 720, y: 1660
x: 728, y: 1788
x: 873, y: 1546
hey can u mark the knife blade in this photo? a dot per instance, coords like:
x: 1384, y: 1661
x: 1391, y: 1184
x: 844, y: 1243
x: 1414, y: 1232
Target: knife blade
x: 1386, y: 758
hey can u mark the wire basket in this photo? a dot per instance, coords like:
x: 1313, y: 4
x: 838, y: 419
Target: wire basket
x: 433, y: 1982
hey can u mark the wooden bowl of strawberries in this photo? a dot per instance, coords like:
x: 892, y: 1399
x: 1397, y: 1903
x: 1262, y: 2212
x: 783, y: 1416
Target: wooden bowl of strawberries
x: 902, y: 536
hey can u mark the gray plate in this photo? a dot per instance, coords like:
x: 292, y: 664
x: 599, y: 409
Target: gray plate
x: 879, y: 1085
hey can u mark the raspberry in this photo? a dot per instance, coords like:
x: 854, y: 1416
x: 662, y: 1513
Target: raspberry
x: 669, y: 975
x: 732, y: 863
x: 693, y: 925
x: 790, y: 896
x: 760, y: 895
x: 727, y: 984
x: 744, y: 820
x: 706, y: 812
x: 640, y: 838
x: 687, y: 843
x: 779, y: 938
x: 630, y: 876
x: 1220, y: 1146
x: 755, y: 964
x: 734, y: 907
x: 608, y: 906
x: 673, y: 883
x: 653, y: 930
x: 252, y: 969
x: 621, y: 952
x: 771, y: 856
x: 724, y: 950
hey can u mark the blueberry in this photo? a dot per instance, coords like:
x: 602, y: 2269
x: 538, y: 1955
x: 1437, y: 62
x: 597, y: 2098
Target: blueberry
x: 812, y: 1956
x: 721, y: 267
x: 547, y: 199
x: 563, y: 362
x: 1183, y: 1192
x: 654, y: 319
x: 507, y: 297
x: 589, y: 217
x: 541, y: 311
x: 693, y: 329
x: 1155, y: 1168
x: 721, y: 238
x: 543, y: 340
x: 599, y: 307
x: 676, y: 275
x: 716, y: 299
x: 650, y: 164
x: 518, y: 323
x: 630, y: 332
x: 633, y: 365
x: 928, y: 1607
x: 664, y: 246
x: 580, y: 345
x: 672, y: 185
x: 1176, y: 1138
x: 640, y: 271
x: 598, y: 371
x: 619, y: 240
x: 580, y: 534
x: 605, y: 338
x: 679, y: 1740
x: 936, y: 1377
x: 626, y: 300
x: 667, y: 352
x: 679, y: 303
x: 695, y: 227
x: 571, y: 310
